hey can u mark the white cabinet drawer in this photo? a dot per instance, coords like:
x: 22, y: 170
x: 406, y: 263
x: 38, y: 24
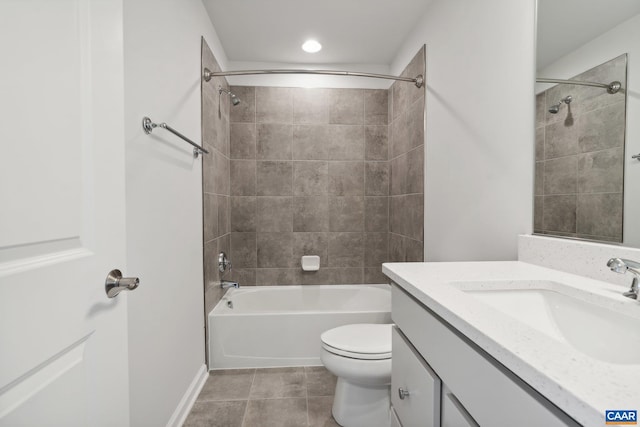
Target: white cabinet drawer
x: 453, y: 413
x: 410, y: 374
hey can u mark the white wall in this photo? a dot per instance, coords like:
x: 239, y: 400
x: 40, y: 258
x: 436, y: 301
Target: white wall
x: 625, y: 38
x: 479, y: 126
x: 164, y: 203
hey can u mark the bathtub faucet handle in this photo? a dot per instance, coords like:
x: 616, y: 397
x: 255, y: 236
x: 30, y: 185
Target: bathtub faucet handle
x: 224, y: 263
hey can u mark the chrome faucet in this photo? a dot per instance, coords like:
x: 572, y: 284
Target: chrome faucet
x: 626, y: 265
x: 224, y: 284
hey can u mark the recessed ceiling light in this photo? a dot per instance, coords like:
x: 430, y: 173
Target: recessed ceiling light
x: 311, y: 46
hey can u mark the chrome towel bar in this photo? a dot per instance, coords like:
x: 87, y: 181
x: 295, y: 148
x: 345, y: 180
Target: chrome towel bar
x: 148, y: 126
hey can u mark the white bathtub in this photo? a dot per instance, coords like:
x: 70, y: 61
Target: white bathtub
x: 270, y: 326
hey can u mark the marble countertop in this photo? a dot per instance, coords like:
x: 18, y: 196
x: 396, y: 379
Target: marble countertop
x: 583, y: 387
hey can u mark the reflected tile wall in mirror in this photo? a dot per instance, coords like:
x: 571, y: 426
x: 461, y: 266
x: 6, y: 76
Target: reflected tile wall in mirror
x: 580, y: 157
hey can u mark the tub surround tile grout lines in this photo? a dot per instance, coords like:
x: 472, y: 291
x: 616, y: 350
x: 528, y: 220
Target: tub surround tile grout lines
x: 330, y: 180
x: 420, y: 147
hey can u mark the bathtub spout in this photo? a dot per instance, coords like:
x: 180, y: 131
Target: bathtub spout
x: 224, y: 284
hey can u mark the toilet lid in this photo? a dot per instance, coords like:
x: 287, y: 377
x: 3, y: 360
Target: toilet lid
x: 359, y: 341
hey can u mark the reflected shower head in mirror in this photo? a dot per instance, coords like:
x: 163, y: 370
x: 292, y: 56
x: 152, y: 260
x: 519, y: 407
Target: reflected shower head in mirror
x: 234, y: 99
x: 556, y: 107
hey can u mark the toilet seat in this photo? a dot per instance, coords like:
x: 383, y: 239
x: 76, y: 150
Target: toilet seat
x: 359, y: 341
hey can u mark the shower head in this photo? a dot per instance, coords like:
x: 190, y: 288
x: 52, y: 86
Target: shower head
x: 234, y: 99
x: 556, y: 107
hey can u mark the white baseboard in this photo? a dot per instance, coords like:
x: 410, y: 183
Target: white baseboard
x: 189, y: 398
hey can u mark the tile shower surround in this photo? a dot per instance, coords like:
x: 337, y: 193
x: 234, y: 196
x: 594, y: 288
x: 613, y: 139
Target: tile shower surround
x: 302, y: 184
x: 579, y: 158
x: 215, y: 180
x: 331, y: 172
x: 314, y: 172
x: 406, y: 165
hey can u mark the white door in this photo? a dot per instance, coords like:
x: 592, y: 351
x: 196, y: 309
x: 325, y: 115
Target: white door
x: 63, y: 343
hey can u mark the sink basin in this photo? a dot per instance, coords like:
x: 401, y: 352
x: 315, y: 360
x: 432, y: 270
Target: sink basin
x: 600, y: 327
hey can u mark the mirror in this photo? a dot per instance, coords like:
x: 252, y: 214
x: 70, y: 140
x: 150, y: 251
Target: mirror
x: 587, y: 183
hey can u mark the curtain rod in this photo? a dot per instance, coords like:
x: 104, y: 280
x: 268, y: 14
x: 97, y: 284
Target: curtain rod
x: 208, y: 74
x: 613, y: 87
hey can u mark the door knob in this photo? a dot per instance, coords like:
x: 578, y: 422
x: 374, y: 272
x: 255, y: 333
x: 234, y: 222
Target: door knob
x: 115, y: 283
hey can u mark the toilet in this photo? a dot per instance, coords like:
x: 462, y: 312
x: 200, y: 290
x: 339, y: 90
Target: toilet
x: 360, y: 356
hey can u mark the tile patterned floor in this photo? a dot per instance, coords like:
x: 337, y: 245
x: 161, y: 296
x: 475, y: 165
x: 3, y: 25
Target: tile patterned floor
x: 278, y: 397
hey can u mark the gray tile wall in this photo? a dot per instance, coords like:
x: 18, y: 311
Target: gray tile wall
x: 297, y: 171
x: 216, y: 181
x: 309, y: 176
x: 580, y: 158
x: 406, y: 171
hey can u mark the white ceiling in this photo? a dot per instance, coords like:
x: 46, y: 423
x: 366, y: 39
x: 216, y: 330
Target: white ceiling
x: 350, y: 31
x: 564, y: 25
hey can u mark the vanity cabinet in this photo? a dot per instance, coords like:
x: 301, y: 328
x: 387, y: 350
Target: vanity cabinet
x: 410, y: 374
x: 453, y: 413
x: 395, y: 422
x: 451, y: 382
